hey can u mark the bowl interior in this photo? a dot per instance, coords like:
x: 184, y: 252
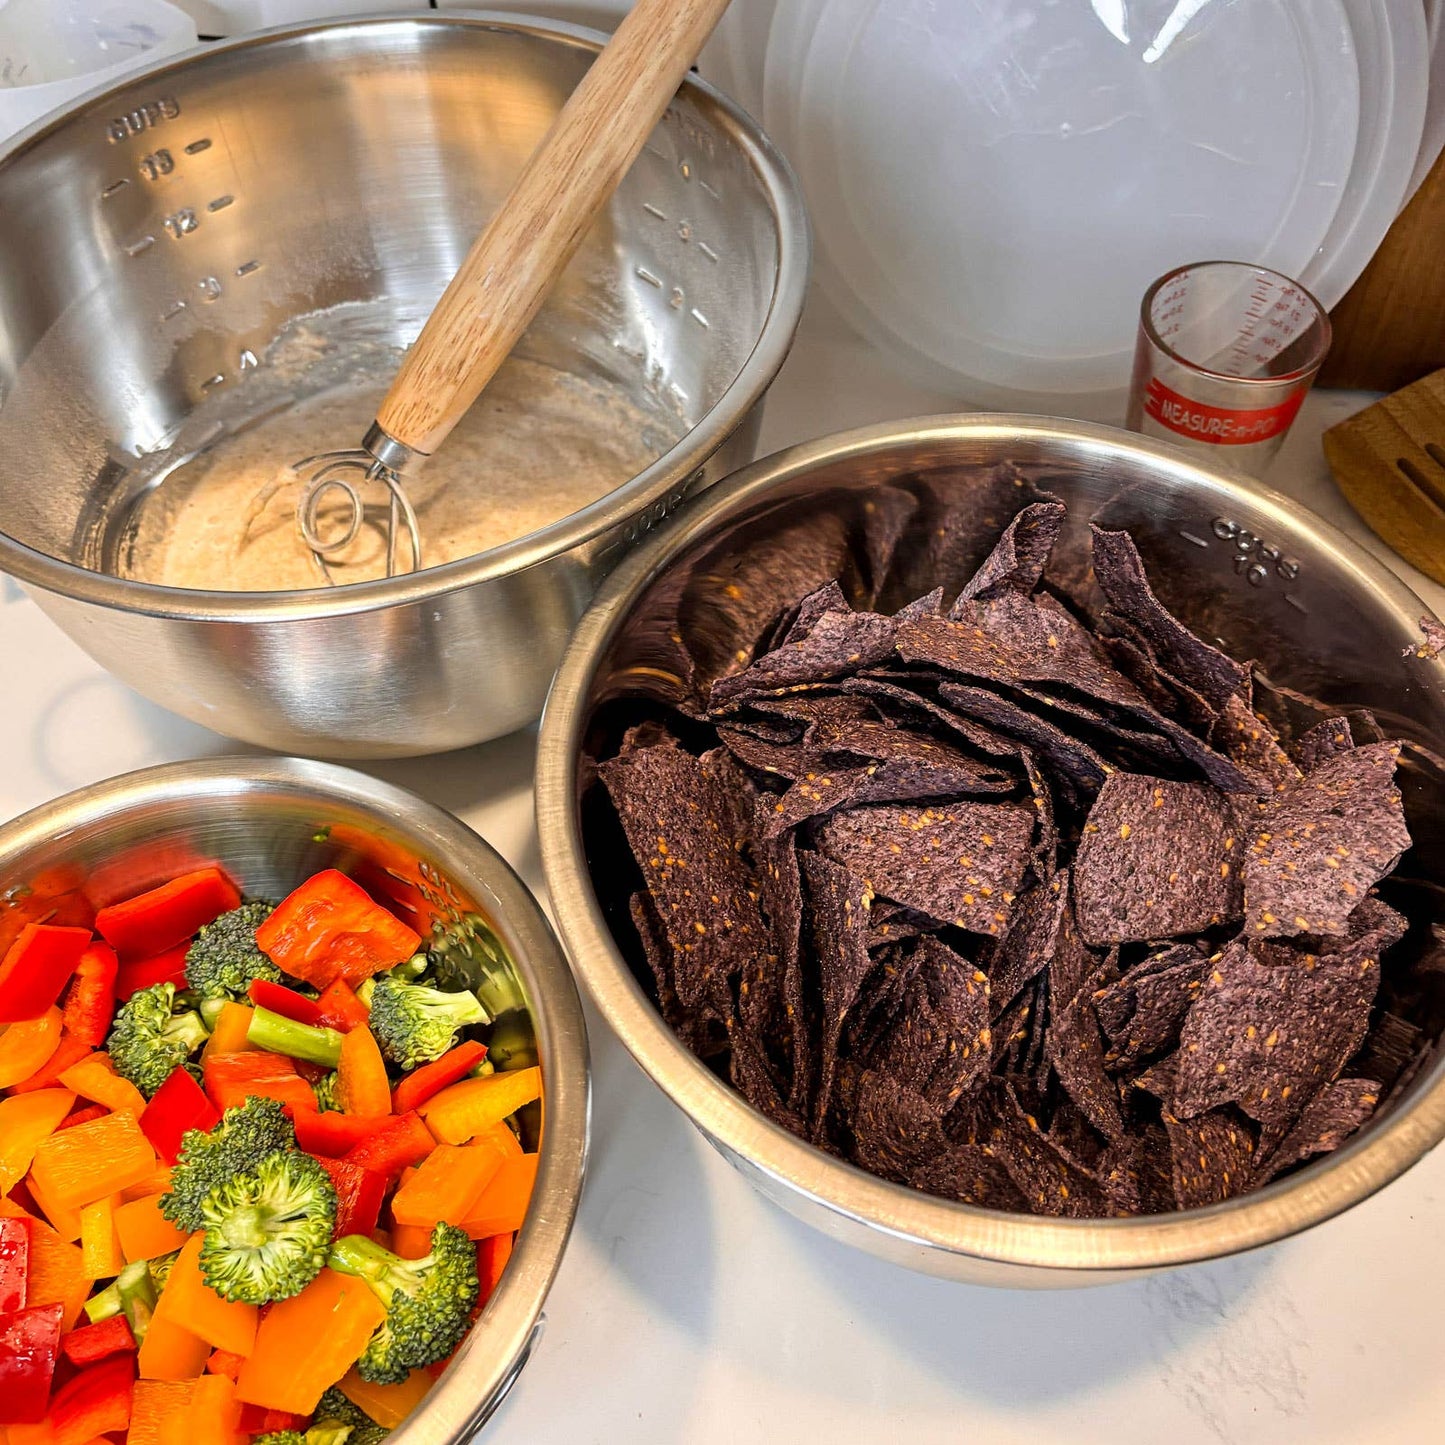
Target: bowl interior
x: 270, y: 217
x: 1239, y: 565
x: 272, y: 823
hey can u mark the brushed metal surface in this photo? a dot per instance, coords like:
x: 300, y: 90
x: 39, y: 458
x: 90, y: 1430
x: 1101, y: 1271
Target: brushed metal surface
x: 156, y: 239
x: 1239, y: 562
x: 271, y: 822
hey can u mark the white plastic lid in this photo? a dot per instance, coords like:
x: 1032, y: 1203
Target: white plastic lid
x: 996, y: 182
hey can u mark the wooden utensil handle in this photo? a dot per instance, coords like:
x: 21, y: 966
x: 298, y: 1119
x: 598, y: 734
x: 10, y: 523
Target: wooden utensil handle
x: 510, y: 269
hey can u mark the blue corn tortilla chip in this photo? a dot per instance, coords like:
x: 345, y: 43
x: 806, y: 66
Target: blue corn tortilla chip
x: 1336, y: 1112
x: 1324, y: 741
x: 1317, y: 848
x: 1020, y: 555
x: 961, y: 862
x: 1143, y: 1012
x: 894, y: 1127
x: 1075, y: 1048
x: 836, y: 645
x: 890, y: 923
x: 968, y: 1174
x: 1029, y: 945
x: 1212, y: 1156
x: 1249, y: 740
x: 1157, y: 859
x: 887, y: 511
x: 1050, y: 1180
x: 781, y: 885
x: 1270, y: 1028
x: 797, y: 623
x: 703, y: 1029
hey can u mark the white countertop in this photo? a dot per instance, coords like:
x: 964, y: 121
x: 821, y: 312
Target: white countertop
x: 690, y: 1312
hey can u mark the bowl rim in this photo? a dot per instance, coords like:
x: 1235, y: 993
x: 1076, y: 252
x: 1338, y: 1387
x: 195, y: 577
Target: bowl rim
x: 673, y: 469
x: 497, y: 1346
x: 1103, y: 1248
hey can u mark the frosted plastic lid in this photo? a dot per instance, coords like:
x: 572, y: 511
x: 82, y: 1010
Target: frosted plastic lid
x: 997, y: 181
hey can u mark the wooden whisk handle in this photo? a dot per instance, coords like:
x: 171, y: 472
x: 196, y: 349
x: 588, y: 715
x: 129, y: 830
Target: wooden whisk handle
x: 510, y: 269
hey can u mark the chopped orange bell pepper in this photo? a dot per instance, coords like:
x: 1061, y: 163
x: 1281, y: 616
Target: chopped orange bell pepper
x: 64, y: 1218
x: 26, y: 1120
x: 361, y: 1083
x: 156, y: 1182
x: 152, y: 1403
x: 57, y: 1269
x: 169, y: 1352
x: 99, y: 1243
x: 224, y: 1362
x: 190, y: 1302
x: 144, y: 1231
x: 388, y: 1405
x: 306, y: 1343
x: 212, y: 1415
x: 463, y: 1110
x: 26, y: 1047
x: 76, y: 1166
x: 70, y: 1051
x: 95, y: 1078
x: 492, y: 1257
x: 229, y: 1036
x: 410, y: 1241
x: 231, y: 1079
x: 503, y: 1205
x: 448, y: 1183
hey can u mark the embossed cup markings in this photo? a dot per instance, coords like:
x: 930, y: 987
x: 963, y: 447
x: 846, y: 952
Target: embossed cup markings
x: 1255, y: 559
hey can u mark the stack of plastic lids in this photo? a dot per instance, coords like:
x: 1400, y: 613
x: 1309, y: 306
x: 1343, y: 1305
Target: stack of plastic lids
x: 993, y: 183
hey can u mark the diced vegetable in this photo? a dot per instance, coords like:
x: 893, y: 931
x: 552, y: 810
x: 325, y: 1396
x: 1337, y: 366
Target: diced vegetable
x: 83, y: 1115
x: 179, y: 1104
x: 29, y: 1348
x: 307, y: 1342
x: 429, y: 1080
x: 281, y: 1035
x: 152, y: 1404
x: 335, y: 1135
x: 26, y: 1047
x: 190, y: 1302
x: 410, y: 1241
x: 99, y: 1243
x: 92, y: 1343
x: 284, y: 1001
x: 170, y: 1352
x: 233, y: 1078
x: 167, y: 916
x: 212, y: 1415
x: 225, y: 1362
x: 64, y: 1218
x: 90, y: 1003
x: 258, y: 1421
x: 95, y: 1078
x: 388, y: 1405
x: 359, y: 1196
x: 361, y: 1083
x: 503, y: 1203
x: 26, y: 1120
x: 156, y: 1182
x: 462, y: 1111
x: 57, y: 1270
x: 70, y: 1051
x: 94, y: 1402
x: 77, y: 1166
x: 144, y: 1231
x: 339, y: 1008
x: 228, y: 1033
x: 14, y: 1264
x: 492, y: 1256
x: 404, y: 1140
x: 36, y: 967
x: 450, y: 1181
x: 166, y: 967
x: 132, y: 1293
x: 330, y: 928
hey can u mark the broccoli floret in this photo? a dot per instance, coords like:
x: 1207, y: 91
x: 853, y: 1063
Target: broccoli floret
x: 268, y: 1230
x: 246, y: 1135
x: 325, y: 1090
x: 224, y: 958
x: 324, y: 1432
x: 281, y: 1437
x: 279, y: 1035
x: 428, y: 1301
x: 150, y: 1039
x: 415, y: 1024
x: 132, y: 1293
x: 364, y: 1430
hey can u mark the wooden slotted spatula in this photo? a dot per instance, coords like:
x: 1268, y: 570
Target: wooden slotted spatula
x: 1389, y: 461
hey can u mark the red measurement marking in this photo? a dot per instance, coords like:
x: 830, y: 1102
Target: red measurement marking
x: 1224, y: 426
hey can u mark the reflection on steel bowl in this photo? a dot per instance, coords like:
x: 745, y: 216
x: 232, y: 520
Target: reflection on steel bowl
x: 1248, y: 570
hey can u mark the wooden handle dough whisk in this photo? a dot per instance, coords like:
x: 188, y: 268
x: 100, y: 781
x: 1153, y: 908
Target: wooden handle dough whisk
x: 507, y: 275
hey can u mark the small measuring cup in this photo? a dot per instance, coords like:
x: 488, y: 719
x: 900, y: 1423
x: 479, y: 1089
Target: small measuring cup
x: 1226, y: 354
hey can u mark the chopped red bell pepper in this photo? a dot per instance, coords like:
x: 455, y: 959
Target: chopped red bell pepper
x: 284, y: 1001
x: 257, y: 1420
x: 405, y: 1140
x: 90, y: 1004
x: 91, y: 1343
x: 82, y: 1116
x: 359, y: 1193
x: 71, y: 1051
x: 29, y: 1347
x: 333, y: 1135
x: 14, y: 1263
x: 231, y: 1079
x: 149, y: 924
x: 180, y: 1104
x: 167, y: 967
x: 95, y: 1402
x: 340, y: 1008
x: 492, y: 1256
x: 36, y: 967
x: 331, y: 928
x: 422, y: 1083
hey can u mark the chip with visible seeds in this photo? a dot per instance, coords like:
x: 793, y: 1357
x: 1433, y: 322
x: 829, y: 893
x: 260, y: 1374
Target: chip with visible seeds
x: 700, y: 1029
x: 836, y: 645
x: 781, y: 884
x: 961, y: 862
x: 892, y: 923
x: 1249, y: 739
x: 893, y: 1125
x: 1028, y: 946
x: 1318, y: 847
x: 1051, y: 1180
x: 887, y: 511
x: 1212, y: 1156
x: 1266, y: 1035
x: 797, y: 623
x: 1324, y: 741
x: 1157, y: 859
x: 1075, y: 1048
x: 1336, y: 1112
x: 969, y: 1174
x: 1157, y: 1003
x: 1020, y: 555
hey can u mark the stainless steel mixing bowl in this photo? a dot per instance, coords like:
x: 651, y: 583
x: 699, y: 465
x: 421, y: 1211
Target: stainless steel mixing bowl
x: 1246, y: 566
x: 271, y: 823
x: 155, y: 240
